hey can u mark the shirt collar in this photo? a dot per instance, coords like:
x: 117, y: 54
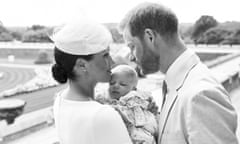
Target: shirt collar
x: 179, y: 69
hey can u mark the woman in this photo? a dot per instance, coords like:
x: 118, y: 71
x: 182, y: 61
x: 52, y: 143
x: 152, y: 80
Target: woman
x: 82, y: 59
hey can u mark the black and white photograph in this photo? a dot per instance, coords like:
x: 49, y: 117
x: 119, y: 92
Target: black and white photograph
x: 119, y: 72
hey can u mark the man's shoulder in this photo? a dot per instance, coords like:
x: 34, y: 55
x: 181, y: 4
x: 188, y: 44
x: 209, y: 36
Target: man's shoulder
x: 200, y: 78
x: 202, y: 90
x: 201, y: 82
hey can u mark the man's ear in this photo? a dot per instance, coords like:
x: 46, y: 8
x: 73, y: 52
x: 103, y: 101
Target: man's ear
x: 149, y: 35
x: 149, y: 38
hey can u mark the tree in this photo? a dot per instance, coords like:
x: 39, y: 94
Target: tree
x: 202, y: 25
x: 17, y: 35
x: 5, y: 34
x: 36, y: 36
x: 43, y: 58
x: 232, y: 39
x: 37, y: 27
x: 224, y: 33
x: 214, y: 36
x: 3, y: 29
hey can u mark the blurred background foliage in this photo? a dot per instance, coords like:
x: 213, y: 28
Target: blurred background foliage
x: 206, y: 30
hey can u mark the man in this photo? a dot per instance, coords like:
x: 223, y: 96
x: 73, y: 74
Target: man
x: 196, y: 108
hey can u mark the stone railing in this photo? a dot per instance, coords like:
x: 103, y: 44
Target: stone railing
x: 232, y: 82
x: 231, y: 79
x: 26, y: 124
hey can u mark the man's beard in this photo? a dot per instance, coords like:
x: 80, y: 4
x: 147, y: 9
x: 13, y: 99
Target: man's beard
x: 149, y: 62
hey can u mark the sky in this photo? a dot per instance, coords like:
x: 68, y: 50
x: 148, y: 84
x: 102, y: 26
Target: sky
x: 57, y: 12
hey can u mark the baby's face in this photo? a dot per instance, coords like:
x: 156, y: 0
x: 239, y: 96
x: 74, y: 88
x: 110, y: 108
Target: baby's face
x: 120, y: 85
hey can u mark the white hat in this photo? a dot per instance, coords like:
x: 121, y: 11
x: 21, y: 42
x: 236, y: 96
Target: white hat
x: 82, y: 38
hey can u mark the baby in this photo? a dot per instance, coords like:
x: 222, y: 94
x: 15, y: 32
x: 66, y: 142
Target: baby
x: 136, y: 108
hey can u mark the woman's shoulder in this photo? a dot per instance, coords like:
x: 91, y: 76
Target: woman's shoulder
x: 107, y: 115
x: 105, y: 111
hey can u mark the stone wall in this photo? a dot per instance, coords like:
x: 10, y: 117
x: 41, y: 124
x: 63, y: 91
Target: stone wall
x: 23, y: 53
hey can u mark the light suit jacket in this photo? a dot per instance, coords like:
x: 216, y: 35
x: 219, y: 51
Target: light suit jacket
x: 197, y: 109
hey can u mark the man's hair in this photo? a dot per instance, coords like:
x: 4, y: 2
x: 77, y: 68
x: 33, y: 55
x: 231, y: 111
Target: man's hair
x: 153, y: 16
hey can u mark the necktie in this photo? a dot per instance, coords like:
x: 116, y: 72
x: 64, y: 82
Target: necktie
x: 164, y: 92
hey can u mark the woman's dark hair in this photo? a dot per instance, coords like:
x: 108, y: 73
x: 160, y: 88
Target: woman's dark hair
x: 62, y: 70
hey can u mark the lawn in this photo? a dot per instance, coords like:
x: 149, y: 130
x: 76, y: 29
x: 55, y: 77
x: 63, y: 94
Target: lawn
x: 12, y: 77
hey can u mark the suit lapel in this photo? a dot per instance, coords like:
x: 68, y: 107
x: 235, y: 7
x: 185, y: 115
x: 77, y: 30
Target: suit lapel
x: 170, y: 101
x: 172, y: 96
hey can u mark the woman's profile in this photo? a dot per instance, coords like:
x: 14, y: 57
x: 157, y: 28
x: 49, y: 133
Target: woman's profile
x: 81, y: 60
